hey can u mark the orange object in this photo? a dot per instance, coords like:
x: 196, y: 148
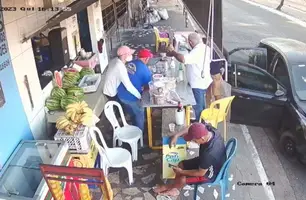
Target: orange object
x: 75, y: 176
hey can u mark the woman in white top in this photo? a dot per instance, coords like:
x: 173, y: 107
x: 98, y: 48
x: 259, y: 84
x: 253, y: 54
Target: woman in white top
x: 117, y: 73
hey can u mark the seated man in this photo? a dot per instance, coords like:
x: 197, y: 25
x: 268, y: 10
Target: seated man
x: 140, y: 76
x: 202, y: 169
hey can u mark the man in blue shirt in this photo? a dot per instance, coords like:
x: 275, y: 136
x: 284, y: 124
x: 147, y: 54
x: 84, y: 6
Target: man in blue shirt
x: 140, y: 76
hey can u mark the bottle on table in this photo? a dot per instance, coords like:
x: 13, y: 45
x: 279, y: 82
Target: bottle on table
x: 180, y: 115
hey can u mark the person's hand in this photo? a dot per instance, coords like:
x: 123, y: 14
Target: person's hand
x: 170, y: 48
x: 173, y: 140
x: 177, y: 170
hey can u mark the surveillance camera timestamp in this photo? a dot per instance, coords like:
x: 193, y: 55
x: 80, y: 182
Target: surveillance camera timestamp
x: 54, y: 9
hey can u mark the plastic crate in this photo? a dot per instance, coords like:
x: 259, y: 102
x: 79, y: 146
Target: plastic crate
x: 79, y: 142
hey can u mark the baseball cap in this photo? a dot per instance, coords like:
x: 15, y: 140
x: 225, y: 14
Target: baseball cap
x: 196, y: 131
x: 125, y: 50
x: 145, y: 53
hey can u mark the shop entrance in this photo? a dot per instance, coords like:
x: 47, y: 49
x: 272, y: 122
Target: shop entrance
x: 84, y: 30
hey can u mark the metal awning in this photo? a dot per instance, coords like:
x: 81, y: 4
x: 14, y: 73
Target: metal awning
x: 75, y: 6
x: 199, y: 10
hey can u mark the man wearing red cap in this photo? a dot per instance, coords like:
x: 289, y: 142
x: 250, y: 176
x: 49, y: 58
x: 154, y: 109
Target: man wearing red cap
x: 140, y: 76
x: 117, y: 74
x: 201, y: 169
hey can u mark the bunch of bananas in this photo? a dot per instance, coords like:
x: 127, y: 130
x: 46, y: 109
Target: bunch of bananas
x: 84, y: 192
x: 57, y: 189
x: 80, y: 113
x: 76, y: 114
x: 63, y: 123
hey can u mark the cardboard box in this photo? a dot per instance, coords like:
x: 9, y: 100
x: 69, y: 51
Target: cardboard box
x: 172, y: 157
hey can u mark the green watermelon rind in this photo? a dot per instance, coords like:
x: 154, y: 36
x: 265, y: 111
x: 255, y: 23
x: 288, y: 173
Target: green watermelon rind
x: 65, y: 101
x: 58, y: 93
x: 52, y: 104
x: 86, y: 71
x: 75, y: 91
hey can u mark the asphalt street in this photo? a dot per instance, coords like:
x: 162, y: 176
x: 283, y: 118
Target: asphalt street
x: 244, y: 26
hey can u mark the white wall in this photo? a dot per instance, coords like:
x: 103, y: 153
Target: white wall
x: 71, y: 24
x: 96, y: 32
x: 18, y: 24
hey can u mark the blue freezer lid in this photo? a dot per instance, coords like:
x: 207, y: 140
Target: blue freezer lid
x: 21, y: 177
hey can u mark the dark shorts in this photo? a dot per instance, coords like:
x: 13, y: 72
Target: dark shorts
x: 190, y: 165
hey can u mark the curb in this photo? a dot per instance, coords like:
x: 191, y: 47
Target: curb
x: 289, y: 17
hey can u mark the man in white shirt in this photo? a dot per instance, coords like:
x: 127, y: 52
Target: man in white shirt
x: 194, y: 62
x: 117, y: 74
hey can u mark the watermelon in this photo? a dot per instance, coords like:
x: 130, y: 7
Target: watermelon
x: 68, y: 100
x: 75, y: 91
x: 86, y: 71
x: 73, y: 75
x: 69, y: 82
x: 70, y: 70
x: 58, y: 79
x: 58, y: 93
x: 53, y: 104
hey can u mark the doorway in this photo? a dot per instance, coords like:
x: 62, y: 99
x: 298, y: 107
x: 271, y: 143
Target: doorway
x: 84, y: 30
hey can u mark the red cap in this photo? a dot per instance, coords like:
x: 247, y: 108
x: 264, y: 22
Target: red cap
x: 145, y: 53
x: 196, y: 131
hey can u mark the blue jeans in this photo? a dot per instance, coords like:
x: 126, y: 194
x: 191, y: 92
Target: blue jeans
x: 136, y: 111
x: 199, y: 95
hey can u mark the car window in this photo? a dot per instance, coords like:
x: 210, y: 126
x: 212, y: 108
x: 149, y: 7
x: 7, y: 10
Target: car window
x: 252, y: 78
x: 254, y: 56
x: 299, y: 80
x: 280, y: 72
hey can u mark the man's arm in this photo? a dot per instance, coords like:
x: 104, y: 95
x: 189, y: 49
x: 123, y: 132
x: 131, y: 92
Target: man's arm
x: 177, y: 56
x: 124, y: 77
x: 181, y: 133
x: 194, y: 172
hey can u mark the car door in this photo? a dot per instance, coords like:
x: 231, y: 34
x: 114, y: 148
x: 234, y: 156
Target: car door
x: 259, y: 100
x: 255, y: 56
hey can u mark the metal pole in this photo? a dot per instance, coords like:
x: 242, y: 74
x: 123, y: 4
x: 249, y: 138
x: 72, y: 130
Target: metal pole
x: 207, y: 37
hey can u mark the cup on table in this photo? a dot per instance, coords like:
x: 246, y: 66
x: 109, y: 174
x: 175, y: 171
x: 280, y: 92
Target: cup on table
x: 172, y: 127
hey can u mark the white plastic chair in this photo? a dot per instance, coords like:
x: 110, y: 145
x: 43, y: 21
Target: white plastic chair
x: 127, y: 133
x: 112, y: 157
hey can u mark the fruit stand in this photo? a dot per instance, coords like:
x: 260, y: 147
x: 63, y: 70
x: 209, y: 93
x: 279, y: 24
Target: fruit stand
x: 95, y: 101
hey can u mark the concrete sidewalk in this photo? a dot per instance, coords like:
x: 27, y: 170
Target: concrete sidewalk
x: 148, y: 169
x: 295, y: 8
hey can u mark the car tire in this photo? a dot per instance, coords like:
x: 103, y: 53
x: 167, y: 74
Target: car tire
x: 287, y: 144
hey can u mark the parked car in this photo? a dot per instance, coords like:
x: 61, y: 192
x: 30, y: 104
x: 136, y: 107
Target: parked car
x: 269, y: 83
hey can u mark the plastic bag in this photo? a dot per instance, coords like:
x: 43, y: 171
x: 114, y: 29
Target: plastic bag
x: 163, y: 13
x: 152, y: 18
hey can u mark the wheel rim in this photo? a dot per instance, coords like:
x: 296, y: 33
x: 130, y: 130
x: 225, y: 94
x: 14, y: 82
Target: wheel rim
x: 289, y: 147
